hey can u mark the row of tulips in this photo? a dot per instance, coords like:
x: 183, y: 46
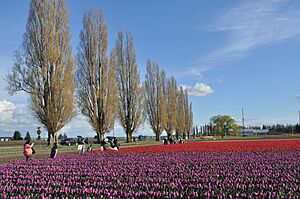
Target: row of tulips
x: 224, y: 146
x: 156, y: 175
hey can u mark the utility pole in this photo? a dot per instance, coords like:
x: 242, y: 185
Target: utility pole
x: 299, y: 118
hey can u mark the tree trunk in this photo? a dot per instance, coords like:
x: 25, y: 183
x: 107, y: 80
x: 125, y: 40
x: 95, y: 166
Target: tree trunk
x: 55, y: 138
x: 52, y: 138
x: 100, y: 137
x: 129, y: 136
x: 49, y: 138
x: 157, y: 135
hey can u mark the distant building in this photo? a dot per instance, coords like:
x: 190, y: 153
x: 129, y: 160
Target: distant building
x: 5, y: 139
x: 254, y: 132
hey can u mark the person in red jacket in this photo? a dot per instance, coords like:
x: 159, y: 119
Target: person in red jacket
x: 28, y: 149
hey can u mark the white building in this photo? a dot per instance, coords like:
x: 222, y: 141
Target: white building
x: 5, y: 139
x: 254, y: 132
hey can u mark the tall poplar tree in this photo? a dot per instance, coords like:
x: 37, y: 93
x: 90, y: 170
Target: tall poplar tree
x: 96, y: 74
x: 44, y: 66
x: 189, y: 128
x: 171, y: 106
x: 131, y: 103
x: 155, y: 98
x: 181, y: 120
x: 186, y: 114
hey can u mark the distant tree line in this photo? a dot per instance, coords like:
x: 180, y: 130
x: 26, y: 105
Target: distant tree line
x: 18, y: 136
x: 202, y: 130
x: 280, y: 128
x: 223, y: 125
x: 106, y: 86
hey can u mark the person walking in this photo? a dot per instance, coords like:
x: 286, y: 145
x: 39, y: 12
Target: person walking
x: 28, y: 150
x: 54, y: 151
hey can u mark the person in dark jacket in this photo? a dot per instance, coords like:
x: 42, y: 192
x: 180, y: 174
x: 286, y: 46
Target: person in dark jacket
x: 113, y: 145
x: 54, y: 151
x: 165, y: 141
x: 116, y: 143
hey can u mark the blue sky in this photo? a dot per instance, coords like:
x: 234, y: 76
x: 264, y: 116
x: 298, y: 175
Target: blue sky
x: 228, y: 54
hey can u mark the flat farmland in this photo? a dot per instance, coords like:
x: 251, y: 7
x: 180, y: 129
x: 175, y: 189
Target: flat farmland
x: 247, y: 169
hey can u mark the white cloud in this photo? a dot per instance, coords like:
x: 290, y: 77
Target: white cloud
x: 15, y: 117
x: 194, y: 72
x: 199, y: 89
x: 298, y: 97
x: 6, y: 110
x: 250, y: 25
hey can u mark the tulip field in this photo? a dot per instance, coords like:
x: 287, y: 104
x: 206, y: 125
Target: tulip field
x: 240, y: 169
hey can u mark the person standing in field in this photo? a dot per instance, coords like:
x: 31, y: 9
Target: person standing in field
x: 116, y: 143
x: 90, y: 148
x: 54, y: 151
x: 102, y: 145
x: 81, y: 146
x: 165, y: 141
x: 28, y: 149
x: 113, y: 145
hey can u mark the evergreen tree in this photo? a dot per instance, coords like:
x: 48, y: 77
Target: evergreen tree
x: 17, y: 136
x: 60, y: 137
x: 27, y: 136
